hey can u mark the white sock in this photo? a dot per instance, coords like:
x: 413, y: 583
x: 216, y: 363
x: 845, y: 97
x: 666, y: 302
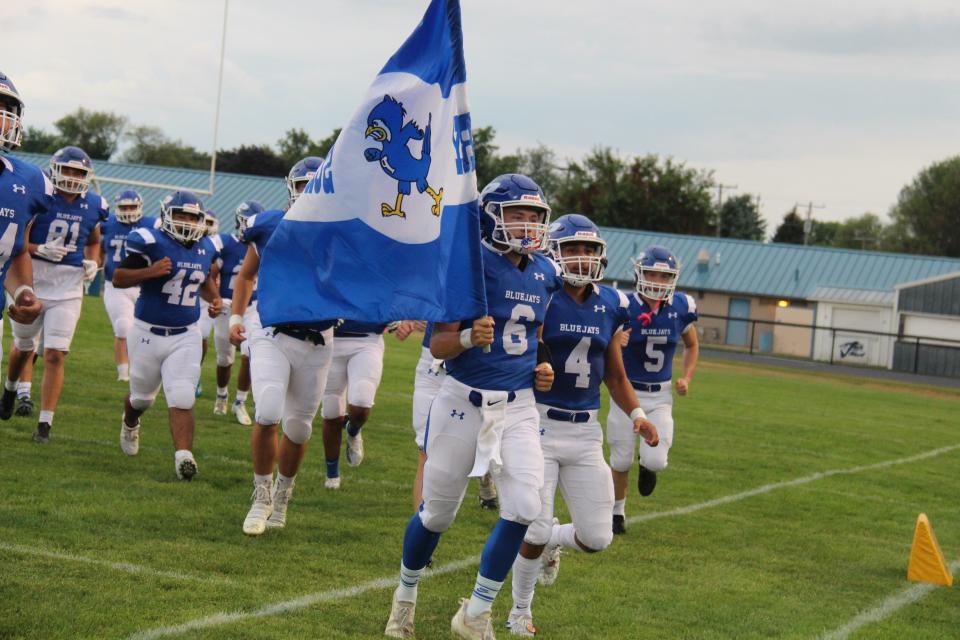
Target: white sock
x: 46, y: 416
x: 564, y: 535
x: 409, y: 579
x: 10, y: 385
x: 525, y: 572
x: 23, y: 389
x: 619, y: 507
x: 123, y: 370
x: 181, y: 454
x: 283, y: 482
x: 484, y: 592
x: 223, y: 392
x: 263, y: 479
x: 241, y: 397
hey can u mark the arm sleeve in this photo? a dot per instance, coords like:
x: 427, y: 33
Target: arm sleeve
x: 134, y: 261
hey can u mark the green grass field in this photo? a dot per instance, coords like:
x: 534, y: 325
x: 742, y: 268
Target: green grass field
x: 94, y: 544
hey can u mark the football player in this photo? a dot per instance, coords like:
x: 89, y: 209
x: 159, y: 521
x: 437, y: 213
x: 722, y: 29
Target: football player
x: 127, y: 216
x: 289, y: 365
x: 65, y: 247
x: 171, y: 266
x: 659, y: 319
x: 24, y: 193
x: 227, y: 270
x: 580, y: 330
x: 484, y: 416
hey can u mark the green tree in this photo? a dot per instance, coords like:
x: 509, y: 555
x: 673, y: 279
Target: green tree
x: 257, y: 160
x: 640, y: 193
x: 540, y: 163
x: 790, y: 230
x: 927, y: 212
x: 863, y: 232
x: 296, y: 145
x: 37, y: 140
x: 96, y: 132
x: 149, y: 145
x: 489, y: 163
x: 824, y: 233
x: 740, y: 218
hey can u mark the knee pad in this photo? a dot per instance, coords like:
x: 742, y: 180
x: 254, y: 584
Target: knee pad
x: 538, y: 533
x: 225, y: 357
x: 269, y: 404
x: 654, y: 459
x: 141, y: 404
x: 362, y: 393
x: 523, y: 506
x: 438, y: 515
x: 621, y: 455
x: 597, y: 538
x: 181, y: 395
x: 122, y: 327
x: 298, y: 429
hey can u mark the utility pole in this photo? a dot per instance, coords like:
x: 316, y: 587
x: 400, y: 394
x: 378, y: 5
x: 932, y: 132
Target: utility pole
x: 808, y: 223
x: 720, y: 188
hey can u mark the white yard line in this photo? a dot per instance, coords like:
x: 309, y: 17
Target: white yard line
x: 219, y: 619
x: 118, y: 566
x: 222, y: 618
x: 905, y: 597
x: 767, y: 488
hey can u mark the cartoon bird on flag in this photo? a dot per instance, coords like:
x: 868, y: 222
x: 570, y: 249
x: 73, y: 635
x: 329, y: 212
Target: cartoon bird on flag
x: 385, y: 125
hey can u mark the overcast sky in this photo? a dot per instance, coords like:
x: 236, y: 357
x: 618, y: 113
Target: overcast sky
x: 839, y: 102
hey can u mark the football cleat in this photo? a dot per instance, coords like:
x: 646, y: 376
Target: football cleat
x: 400, y: 623
x: 24, y: 407
x: 7, y: 402
x: 240, y: 413
x: 42, y: 433
x: 281, y: 499
x: 256, y: 521
x: 354, y: 450
x: 332, y: 483
x: 646, y: 481
x: 550, y: 563
x: 220, y: 406
x: 521, y: 624
x: 488, y: 493
x: 186, y: 468
x: 619, y: 525
x: 470, y: 628
x: 129, y: 437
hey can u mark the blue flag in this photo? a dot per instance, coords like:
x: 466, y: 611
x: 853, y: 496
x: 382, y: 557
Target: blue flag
x: 388, y: 228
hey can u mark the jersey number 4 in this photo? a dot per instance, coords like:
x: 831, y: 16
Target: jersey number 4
x: 185, y: 296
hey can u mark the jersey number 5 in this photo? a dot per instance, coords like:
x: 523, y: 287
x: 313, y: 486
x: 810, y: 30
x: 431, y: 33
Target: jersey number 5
x: 654, y: 360
x: 185, y: 296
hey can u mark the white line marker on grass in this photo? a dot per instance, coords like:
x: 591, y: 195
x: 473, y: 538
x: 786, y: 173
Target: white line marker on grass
x: 218, y: 619
x: 119, y: 566
x: 302, y: 602
x: 905, y: 597
x: 767, y: 488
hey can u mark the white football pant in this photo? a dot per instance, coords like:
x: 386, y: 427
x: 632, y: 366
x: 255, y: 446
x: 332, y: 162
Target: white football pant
x: 658, y: 405
x: 573, y: 460
x: 355, y: 372
x: 120, y: 304
x: 206, y: 322
x: 221, y: 333
x: 426, y: 383
x: 170, y: 361
x: 57, y: 322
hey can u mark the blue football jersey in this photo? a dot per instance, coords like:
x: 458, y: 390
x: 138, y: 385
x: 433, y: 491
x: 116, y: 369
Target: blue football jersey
x: 426, y: 335
x: 259, y: 230
x: 70, y: 222
x: 113, y: 236
x: 231, y: 259
x: 172, y: 300
x: 355, y: 326
x: 24, y: 193
x: 578, y: 336
x: 648, y: 357
x: 517, y: 300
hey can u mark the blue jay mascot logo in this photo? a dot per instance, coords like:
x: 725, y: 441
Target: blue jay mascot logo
x: 385, y: 125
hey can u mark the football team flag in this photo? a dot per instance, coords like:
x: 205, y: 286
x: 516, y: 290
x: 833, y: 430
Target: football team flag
x: 388, y: 229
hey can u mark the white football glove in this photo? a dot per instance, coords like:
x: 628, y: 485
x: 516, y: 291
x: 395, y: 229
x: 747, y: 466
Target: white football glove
x: 53, y: 251
x: 90, y: 268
